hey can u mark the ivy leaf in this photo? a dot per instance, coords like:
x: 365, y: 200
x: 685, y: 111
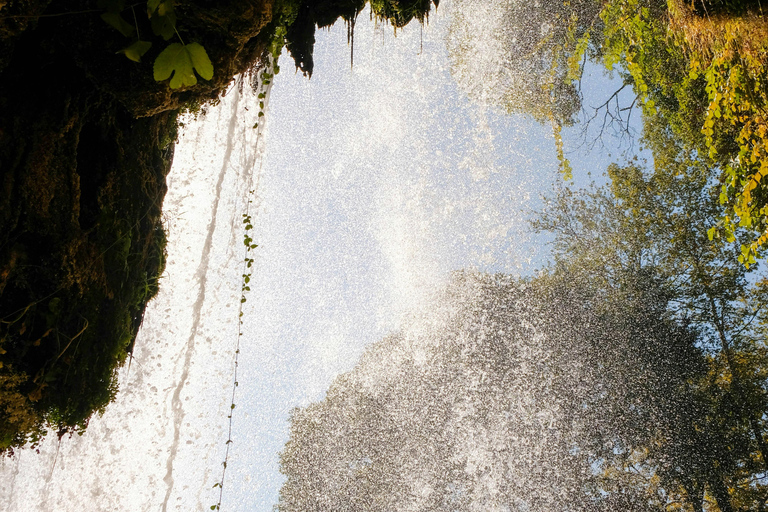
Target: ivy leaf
x: 175, y: 60
x: 165, y: 7
x: 182, y: 61
x: 117, y: 22
x: 136, y: 50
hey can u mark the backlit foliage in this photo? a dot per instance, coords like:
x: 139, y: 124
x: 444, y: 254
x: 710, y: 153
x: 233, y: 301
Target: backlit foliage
x: 702, y: 68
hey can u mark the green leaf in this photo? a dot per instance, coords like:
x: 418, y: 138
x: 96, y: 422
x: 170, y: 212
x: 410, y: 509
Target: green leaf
x: 117, y: 22
x: 152, y: 6
x: 164, y: 26
x: 182, y: 61
x: 200, y: 60
x: 136, y: 50
x: 175, y: 60
x: 165, y: 7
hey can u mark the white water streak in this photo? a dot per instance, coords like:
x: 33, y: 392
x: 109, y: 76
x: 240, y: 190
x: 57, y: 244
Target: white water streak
x: 202, y: 277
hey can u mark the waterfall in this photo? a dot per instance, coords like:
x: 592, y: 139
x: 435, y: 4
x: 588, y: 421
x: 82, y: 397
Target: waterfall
x: 159, y: 446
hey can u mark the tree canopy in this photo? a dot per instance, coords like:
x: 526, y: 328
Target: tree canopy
x: 654, y: 222
x: 522, y: 56
x: 698, y: 68
x: 531, y: 396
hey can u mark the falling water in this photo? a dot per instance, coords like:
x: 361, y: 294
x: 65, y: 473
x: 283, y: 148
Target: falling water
x: 375, y: 184
x: 159, y: 445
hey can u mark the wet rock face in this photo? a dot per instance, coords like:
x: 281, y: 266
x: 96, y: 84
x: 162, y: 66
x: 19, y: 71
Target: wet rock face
x: 15, y: 18
x: 86, y: 140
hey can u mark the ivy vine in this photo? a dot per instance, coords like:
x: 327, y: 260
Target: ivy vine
x: 264, y: 85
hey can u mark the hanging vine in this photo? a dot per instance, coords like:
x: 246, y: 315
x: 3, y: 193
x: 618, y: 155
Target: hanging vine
x: 263, y: 85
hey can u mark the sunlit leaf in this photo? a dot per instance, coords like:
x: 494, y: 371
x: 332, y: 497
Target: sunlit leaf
x: 179, y: 63
x: 152, y: 6
x: 165, y: 7
x: 200, y: 60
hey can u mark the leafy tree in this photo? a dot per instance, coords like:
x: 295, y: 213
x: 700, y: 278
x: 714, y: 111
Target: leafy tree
x: 726, y: 43
x: 525, y: 57
x: 699, y: 67
x: 703, y: 68
x: 542, y: 395
x: 656, y: 222
x: 522, y: 56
